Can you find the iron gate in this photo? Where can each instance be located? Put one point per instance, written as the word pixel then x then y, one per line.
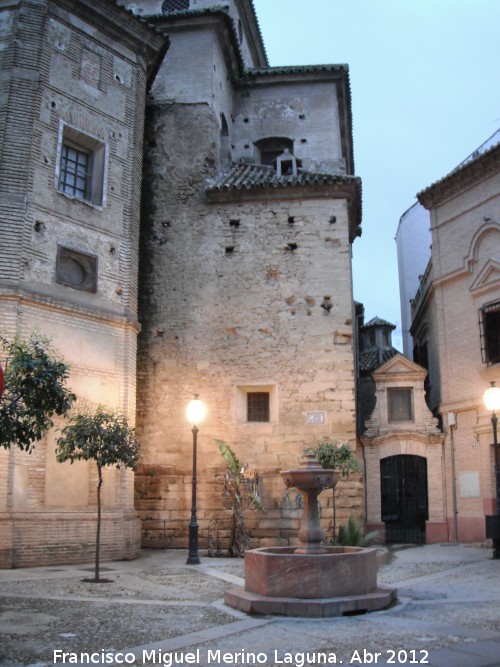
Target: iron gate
pixel 403 487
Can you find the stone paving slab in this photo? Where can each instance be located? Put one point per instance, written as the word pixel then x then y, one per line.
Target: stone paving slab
pixel 159 610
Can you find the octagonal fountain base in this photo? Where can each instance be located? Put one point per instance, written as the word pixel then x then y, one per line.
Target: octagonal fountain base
pixel 340 581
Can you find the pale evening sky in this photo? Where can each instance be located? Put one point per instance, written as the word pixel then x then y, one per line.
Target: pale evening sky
pixel 425 90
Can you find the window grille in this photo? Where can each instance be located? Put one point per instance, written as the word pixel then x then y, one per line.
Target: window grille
pixel 81 166
pixel 174 6
pixel 258 406
pixel 75 172
pixel 489 328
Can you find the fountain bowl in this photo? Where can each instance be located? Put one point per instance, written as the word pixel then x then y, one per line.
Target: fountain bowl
pixel 281 582
pixel 281 571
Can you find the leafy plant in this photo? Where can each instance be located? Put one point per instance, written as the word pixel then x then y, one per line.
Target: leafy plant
pixel 335 455
pixel 34 391
pixel 241 487
pixel 106 438
pixel 352 535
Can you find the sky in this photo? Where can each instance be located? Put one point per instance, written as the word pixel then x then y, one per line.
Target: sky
pixel 425 91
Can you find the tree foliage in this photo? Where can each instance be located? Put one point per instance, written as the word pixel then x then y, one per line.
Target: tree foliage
pixel 35 390
pixel 105 438
pixel 335 455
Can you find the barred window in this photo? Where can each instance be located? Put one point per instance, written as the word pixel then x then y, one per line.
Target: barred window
pixel 75 172
pixel 81 166
pixel 489 326
pixel 174 6
pixel 258 406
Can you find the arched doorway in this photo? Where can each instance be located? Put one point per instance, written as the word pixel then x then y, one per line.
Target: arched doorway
pixel 404 503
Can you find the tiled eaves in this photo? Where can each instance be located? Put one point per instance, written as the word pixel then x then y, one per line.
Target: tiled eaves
pixel 460 178
pixel 247 176
pixel 378 322
pixel 250 182
pixel 370 360
pixel 297 69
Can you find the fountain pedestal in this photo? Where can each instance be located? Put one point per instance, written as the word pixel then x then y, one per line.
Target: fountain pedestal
pixel 311 580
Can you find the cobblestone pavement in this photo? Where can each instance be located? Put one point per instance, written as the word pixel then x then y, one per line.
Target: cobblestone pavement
pixel 158 610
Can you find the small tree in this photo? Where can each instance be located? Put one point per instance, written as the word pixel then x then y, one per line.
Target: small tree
pixel 106 438
pixel 335 455
pixel 240 486
pixel 34 391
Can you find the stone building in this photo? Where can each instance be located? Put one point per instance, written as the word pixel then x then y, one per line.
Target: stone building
pixel 73 86
pixel 456 332
pixel 250 207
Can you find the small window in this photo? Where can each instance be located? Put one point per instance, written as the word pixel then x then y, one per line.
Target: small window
pixel 489 324
pixel 258 406
pixel 81 163
pixel 400 404
pixel 76 269
pixel 273 147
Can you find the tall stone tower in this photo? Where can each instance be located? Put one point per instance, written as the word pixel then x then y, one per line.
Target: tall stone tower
pixel 250 207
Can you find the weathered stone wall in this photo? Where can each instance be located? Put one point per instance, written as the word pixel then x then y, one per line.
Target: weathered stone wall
pixel 228 305
pixel 304 113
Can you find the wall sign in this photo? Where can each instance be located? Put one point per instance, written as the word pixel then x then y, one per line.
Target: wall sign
pixel 315 417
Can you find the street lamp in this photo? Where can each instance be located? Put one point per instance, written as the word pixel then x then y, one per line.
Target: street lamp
pixel 492 402
pixel 195 414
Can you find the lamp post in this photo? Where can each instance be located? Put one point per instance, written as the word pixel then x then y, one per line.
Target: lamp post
pixel 195 413
pixel 492 402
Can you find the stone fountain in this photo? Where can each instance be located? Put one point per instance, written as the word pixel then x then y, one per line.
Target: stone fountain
pixel 310 580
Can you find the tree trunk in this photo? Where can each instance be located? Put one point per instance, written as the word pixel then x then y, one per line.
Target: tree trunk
pixel 334 517
pixel 98 534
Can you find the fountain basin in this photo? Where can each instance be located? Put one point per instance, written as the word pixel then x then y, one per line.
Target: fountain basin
pixel 281 571
pixel 279 581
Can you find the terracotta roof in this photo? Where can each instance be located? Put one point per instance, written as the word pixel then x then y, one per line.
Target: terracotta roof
pixel 378 322
pixel 373 357
pixel 248 176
